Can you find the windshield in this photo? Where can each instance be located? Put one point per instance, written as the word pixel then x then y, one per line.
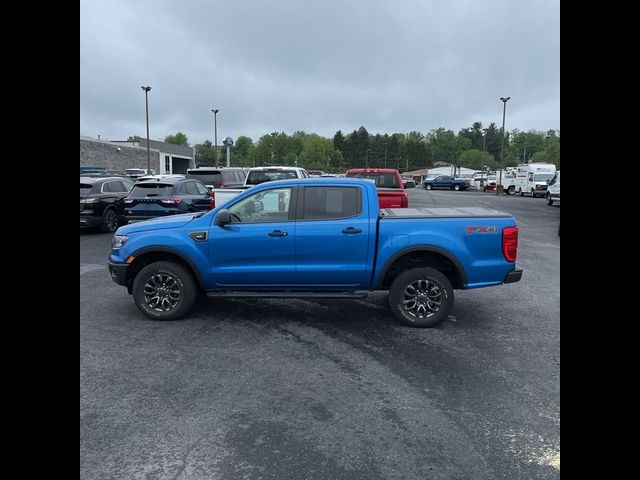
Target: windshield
pixel 542 177
pixel 151 190
pixel 384 180
pixel 257 177
pixel 85 189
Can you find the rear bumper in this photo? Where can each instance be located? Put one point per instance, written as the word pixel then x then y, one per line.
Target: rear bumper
pixel 118 272
pixel 513 276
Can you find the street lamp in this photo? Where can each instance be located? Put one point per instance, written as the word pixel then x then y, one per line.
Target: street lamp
pixel 367 157
pixel 504 111
pixel 484 138
pixel 147 89
pixel 215 132
pixel 273 143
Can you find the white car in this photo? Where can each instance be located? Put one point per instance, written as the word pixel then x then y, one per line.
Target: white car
pixel 553 189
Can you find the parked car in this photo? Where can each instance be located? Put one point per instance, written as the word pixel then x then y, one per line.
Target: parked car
pixel 553 190
pixel 388 182
pixel 408 182
pixel 102 201
pixel 138 172
pixel 316 238
pixel 219 177
pixel 447 182
pixel 532 178
pixel 258 175
pixel 168 196
pixel 315 173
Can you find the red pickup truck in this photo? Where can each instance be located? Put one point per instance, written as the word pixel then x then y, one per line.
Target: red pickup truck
pixel 389 184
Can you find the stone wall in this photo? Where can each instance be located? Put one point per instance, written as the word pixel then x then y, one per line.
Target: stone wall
pixel 103 154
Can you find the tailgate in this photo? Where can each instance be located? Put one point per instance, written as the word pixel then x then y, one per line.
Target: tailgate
pixel 392 198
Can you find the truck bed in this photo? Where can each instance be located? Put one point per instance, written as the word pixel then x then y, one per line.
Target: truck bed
pixel 440 212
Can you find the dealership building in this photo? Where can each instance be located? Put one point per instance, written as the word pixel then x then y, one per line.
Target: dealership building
pixel 118 155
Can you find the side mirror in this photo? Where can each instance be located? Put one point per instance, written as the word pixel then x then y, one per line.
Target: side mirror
pixel 223 217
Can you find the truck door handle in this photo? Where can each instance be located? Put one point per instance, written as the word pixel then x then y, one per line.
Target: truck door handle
pixel 278 233
pixel 351 230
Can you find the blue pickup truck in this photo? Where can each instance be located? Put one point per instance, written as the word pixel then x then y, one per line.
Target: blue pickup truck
pixel 447 182
pixel 319 238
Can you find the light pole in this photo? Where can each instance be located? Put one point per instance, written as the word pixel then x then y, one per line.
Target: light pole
pixel 215 132
pixel 273 142
pixel 385 154
pixel 147 89
pixel 504 111
pixel 484 138
pixel 367 157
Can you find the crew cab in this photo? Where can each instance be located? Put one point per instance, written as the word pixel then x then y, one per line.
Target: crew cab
pixel 317 238
pixel 389 183
pixel 446 181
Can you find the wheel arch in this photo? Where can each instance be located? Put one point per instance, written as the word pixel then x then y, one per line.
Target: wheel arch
pixel 148 255
pixel 423 256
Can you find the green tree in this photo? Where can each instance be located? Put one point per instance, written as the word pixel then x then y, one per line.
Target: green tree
pixel 318 152
pixel 476 159
pixel 133 138
pixel 177 139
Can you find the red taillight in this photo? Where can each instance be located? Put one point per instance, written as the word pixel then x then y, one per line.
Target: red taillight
pixel 212 205
pixel 404 203
pixel 510 243
pixel 173 201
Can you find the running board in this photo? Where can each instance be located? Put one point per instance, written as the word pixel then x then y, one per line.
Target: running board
pixel 286 294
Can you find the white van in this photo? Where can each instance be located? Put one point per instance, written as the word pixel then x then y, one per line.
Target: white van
pixel 532 178
pixel 553 190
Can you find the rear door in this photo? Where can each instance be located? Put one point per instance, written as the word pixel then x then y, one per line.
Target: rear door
pixel 332 237
pixel 202 201
pixel 256 250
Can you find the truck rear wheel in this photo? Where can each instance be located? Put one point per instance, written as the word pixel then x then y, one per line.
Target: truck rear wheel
pixel 421 297
pixel 164 291
pixel 511 190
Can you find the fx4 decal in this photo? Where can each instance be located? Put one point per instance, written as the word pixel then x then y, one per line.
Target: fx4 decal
pixel 482 229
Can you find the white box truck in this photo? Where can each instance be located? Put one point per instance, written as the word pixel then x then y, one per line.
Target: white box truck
pixel 532 178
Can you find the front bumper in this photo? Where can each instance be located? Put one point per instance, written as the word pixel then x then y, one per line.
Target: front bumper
pixel 90 220
pixel 118 272
pixel 513 276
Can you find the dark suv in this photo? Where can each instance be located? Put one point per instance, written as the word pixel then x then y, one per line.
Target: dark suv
pixel 158 197
pixel 223 177
pixel 102 201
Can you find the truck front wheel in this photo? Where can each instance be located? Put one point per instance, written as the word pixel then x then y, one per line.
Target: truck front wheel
pixel 164 291
pixel 428 186
pixel 421 297
pixel 456 188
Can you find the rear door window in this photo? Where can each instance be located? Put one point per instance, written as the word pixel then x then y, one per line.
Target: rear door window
pixel 190 188
pixel 201 189
pixel 325 203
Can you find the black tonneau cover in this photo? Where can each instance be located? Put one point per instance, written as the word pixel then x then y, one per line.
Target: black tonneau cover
pixel 424 212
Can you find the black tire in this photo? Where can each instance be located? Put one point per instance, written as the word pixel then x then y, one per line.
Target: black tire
pixel 427 186
pixel 109 220
pixel 533 193
pixel 511 190
pixel 165 278
pixel 549 199
pixel 456 188
pixel 436 283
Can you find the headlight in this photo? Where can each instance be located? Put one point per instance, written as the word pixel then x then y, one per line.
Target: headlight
pixel 118 240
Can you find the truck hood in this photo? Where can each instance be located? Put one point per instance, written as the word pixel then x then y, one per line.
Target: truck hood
pixel 171 221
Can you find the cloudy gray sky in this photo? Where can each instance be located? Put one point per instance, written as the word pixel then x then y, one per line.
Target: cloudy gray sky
pixel 317 66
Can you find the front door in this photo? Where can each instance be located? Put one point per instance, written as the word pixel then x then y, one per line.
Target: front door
pixel 256 249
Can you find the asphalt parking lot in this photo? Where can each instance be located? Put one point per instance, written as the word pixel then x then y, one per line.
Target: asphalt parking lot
pixel 328 389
